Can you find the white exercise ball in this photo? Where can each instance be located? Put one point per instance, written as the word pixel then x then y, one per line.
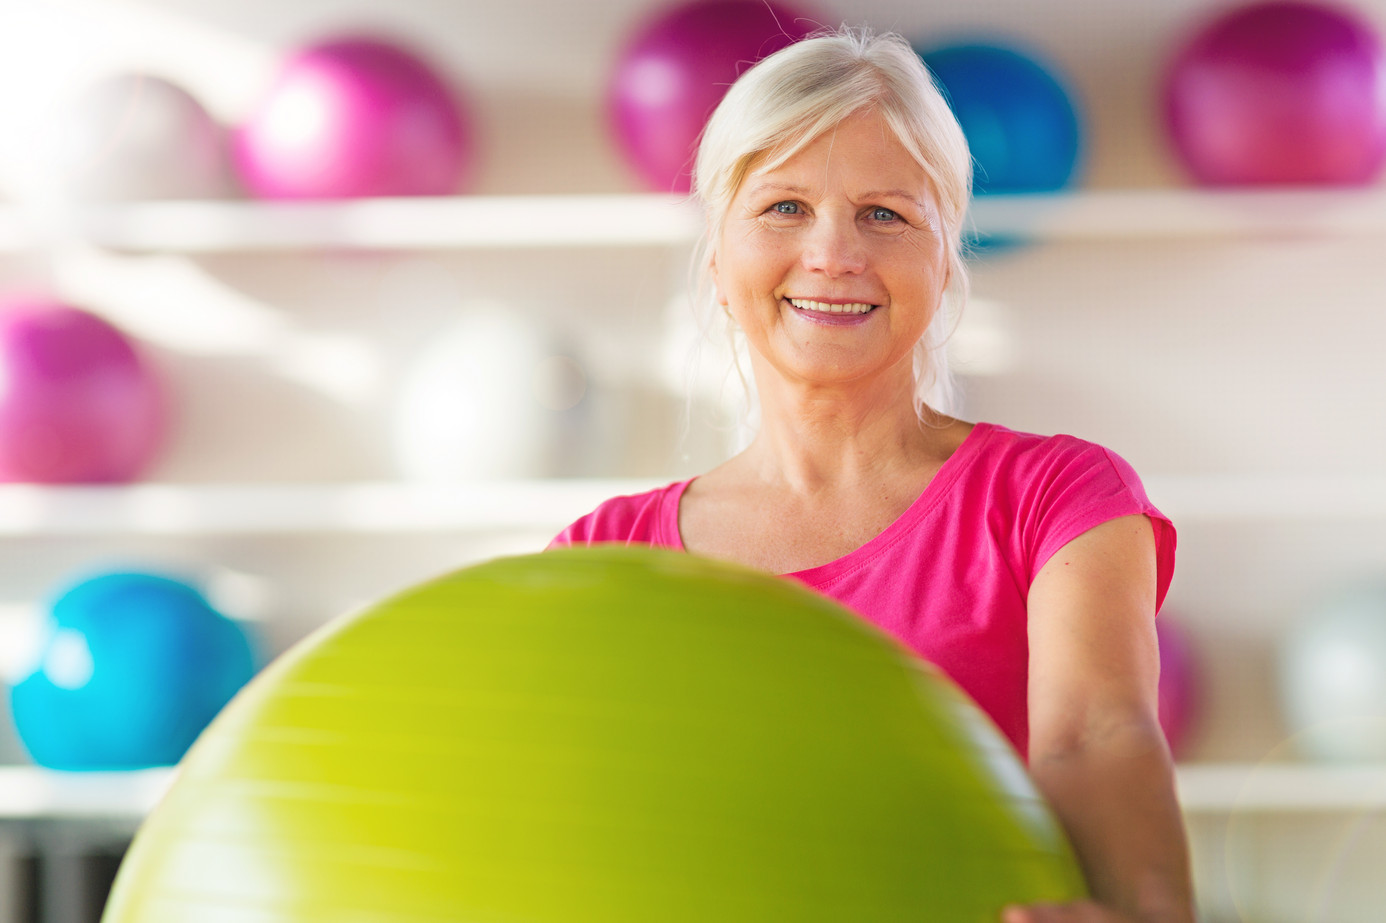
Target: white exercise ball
pixel 132 136
pixel 485 398
pixel 1332 676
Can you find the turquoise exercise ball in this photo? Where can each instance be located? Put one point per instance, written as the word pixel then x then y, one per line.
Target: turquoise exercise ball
pixel 597 734
pixel 131 668
pixel 1332 675
pixel 1022 123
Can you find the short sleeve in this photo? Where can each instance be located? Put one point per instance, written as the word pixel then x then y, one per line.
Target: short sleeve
pixel 1082 485
pixel 644 519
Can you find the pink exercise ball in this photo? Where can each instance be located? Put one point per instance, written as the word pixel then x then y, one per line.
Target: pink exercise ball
pixel 352 118
pixel 674 71
pixel 1179 690
pixel 1280 93
pixel 78 404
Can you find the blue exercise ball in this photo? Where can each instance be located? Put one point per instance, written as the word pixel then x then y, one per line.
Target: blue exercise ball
pixel 131 668
pixel 1021 123
pixel 1332 676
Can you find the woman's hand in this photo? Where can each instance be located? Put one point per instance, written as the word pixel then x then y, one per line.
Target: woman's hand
pixel 1076 912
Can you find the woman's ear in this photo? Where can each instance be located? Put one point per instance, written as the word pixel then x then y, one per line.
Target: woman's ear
pixel 720 295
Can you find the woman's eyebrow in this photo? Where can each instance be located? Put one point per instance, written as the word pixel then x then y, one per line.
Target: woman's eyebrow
pixel 765 186
pixel 893 194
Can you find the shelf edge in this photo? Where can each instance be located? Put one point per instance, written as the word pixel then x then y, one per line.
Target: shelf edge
pixel 1280 788
pixel 652 220
pixel 31 792
pixel 358 508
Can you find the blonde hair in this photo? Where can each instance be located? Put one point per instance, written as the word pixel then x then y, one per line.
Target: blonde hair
pixel 791 98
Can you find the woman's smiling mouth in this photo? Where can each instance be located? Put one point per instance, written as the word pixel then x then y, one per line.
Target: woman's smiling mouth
pixel 825 307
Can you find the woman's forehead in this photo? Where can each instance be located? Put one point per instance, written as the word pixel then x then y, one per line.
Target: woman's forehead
pixel 869 160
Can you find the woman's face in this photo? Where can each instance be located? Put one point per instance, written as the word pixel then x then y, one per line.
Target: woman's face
pixel 834 263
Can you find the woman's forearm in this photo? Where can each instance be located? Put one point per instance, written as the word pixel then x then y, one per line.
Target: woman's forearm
pixel 1116 798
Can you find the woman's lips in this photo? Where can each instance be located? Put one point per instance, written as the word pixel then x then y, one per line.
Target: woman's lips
pixel 832 313
pixel 831 307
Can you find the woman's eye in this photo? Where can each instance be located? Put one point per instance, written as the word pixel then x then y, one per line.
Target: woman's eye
pixel 883 214
pixel 786 208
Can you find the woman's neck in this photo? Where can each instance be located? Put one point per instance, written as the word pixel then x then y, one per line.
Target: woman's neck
pixel 818 439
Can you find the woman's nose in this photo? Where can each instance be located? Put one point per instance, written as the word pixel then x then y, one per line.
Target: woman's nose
pixel 834 247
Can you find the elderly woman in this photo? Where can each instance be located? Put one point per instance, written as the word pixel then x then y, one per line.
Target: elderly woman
pixel 835 182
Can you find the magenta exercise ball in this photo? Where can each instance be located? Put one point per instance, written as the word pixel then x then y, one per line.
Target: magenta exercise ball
pixel 1179 692
pixel 674 70
pixel 1279 93
pixel 78 403
pixel 351 118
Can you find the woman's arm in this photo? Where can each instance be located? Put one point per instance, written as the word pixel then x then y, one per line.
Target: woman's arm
pixel 1096 748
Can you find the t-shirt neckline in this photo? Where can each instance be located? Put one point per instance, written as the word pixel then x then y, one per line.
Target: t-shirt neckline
pixel 823 574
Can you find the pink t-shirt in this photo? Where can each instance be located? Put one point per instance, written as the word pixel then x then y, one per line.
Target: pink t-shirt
pixel 950 577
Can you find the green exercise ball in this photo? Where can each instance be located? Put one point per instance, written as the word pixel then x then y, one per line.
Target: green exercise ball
pixel 597 734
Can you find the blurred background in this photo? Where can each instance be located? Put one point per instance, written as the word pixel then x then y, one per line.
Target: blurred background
pixel 303 303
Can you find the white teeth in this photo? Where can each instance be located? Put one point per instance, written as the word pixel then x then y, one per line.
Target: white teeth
pixel 805 305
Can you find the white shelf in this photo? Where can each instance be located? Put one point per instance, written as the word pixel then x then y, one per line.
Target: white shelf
pixel 227 509
pixel 29 792
pixel 1280 498
pixel 635 220
pixel 461 222
pixel 1281 788
pixel 545 505
pixel 1133 214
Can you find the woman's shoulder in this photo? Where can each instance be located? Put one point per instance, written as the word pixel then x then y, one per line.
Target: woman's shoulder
pixel 1026 456
pixel 1059 486
pixel 634 517
pixel 1004 438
